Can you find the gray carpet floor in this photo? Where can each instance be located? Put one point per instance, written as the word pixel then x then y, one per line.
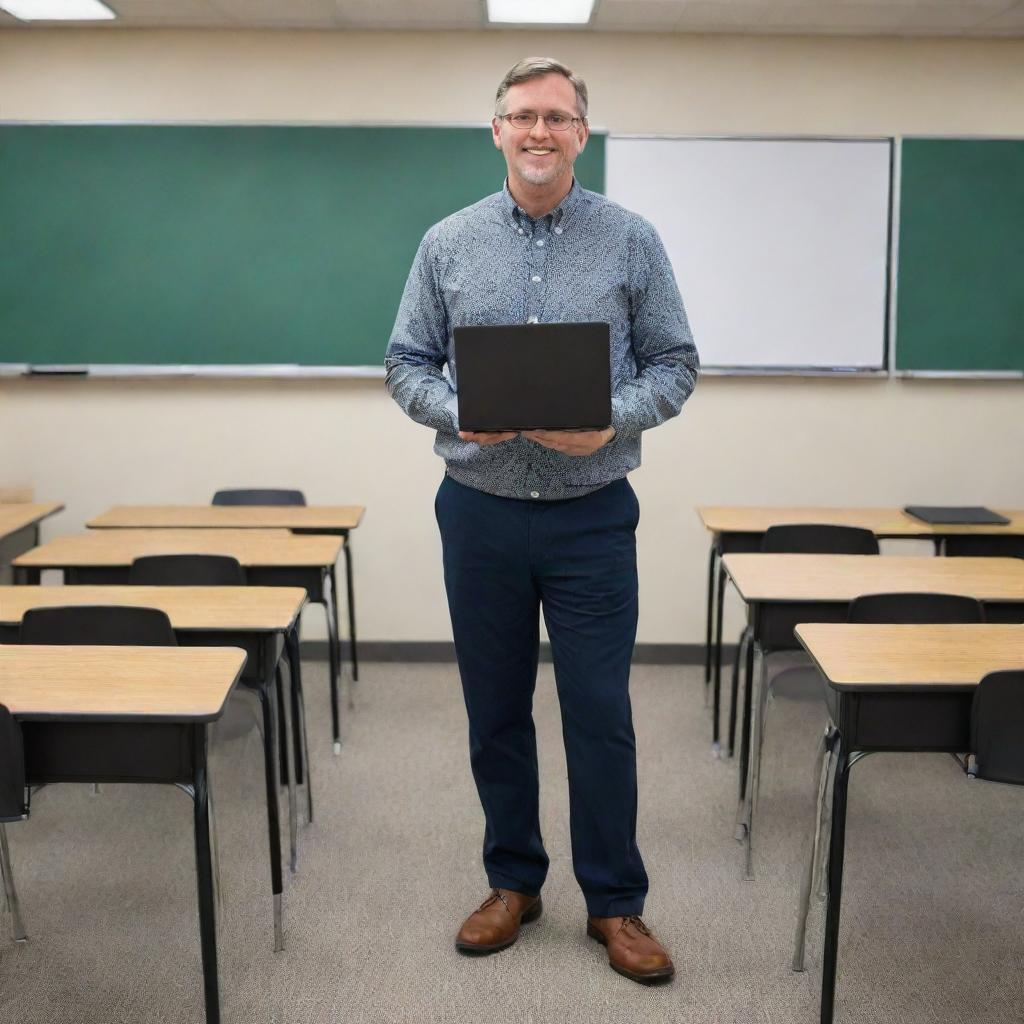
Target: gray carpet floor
pixel 932 919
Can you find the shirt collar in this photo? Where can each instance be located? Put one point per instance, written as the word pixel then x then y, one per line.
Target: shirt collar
pixel 559 215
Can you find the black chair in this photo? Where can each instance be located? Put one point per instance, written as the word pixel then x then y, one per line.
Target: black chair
pixel 280 496
pixel 259 496
pixel 915 608
pixel 997 725
pixel 13 807
pixel 985 546
pixel 107 625
pixel 818 539
pixel 186 571
pixel 95 625
pixel 800 539
pixel 880 609
pixel 226 571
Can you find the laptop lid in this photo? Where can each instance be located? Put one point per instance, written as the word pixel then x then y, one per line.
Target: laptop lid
pixel 534 377
pixel 938 515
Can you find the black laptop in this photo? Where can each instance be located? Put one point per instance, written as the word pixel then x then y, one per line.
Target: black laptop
pixel 534 377
pixel 953 515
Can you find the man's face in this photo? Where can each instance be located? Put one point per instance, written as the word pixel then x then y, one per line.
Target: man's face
pixel 539 156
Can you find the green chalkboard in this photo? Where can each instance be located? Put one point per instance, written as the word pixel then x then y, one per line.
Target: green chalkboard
pixel 234 245
pixel 960 297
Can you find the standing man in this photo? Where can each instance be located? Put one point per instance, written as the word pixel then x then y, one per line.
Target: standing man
pixel 546 519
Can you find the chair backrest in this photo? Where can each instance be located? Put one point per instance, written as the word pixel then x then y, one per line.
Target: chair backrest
pixel 187 571
pixel 12 768
pixel 818 539
pixel 985 546
pixel 997 724
pixel 923 609
pixel 258 496
pixel 112 625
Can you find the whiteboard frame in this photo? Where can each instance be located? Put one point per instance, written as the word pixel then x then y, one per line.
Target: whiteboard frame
pixel 884 369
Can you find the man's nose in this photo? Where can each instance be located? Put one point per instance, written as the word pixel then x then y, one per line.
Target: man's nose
pixel 540 130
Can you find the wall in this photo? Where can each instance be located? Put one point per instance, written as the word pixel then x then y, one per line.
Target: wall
pixel 763 441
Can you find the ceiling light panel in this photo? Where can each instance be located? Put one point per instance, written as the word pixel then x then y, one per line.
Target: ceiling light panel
pixel 539 12
pixel 58 10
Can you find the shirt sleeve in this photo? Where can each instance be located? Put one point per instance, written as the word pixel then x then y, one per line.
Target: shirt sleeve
pixel 667 363
pixel 417 351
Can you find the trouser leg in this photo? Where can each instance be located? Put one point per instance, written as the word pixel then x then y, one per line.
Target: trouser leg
pixel 584 556
pixel 494 610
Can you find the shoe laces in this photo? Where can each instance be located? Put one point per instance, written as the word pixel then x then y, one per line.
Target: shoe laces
pixel 634 920
pixel 496 894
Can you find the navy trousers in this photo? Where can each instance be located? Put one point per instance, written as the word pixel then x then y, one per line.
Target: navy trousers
pixel 504 560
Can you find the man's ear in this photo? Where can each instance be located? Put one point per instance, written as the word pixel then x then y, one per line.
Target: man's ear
pixel 496 131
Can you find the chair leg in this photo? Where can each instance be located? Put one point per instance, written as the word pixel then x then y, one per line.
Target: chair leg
pixel 757 745
pixel 820 880
pixel 287 774
pixel 305 773
pixel 735 692
pixel 269 707
pixel 822 762
pixel 18 932
pixel 334 667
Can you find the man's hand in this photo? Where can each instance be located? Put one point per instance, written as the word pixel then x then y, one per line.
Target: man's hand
pixel 485 438
pixel 572 442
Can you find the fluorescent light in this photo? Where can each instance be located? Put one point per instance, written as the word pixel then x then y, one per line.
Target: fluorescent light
pixel 540 12
pixel 58 10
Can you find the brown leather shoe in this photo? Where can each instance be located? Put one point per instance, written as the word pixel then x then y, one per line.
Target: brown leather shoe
pixel 632 950
pixel 495 924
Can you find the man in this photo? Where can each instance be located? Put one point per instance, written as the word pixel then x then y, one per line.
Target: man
pixel 546 519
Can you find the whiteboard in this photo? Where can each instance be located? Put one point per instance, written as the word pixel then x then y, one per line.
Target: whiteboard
pixel 780 246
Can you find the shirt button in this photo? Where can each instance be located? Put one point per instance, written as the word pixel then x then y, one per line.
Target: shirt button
pixel 520 231
pixel 532 320
pixel 535 279
pixel 540 241
pixel 534 494
pixel 558 231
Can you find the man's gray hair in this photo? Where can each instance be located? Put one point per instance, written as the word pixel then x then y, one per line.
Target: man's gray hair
pixel 535 67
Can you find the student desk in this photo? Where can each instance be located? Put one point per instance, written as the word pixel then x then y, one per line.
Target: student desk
pixel 338 520
pixel 782 591
pixel 19 529
pixel 899 688
pixel 271 558
pixel 259 620
pixel 127 714
pixel 740 528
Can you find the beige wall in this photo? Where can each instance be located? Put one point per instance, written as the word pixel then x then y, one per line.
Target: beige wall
pixel 813 441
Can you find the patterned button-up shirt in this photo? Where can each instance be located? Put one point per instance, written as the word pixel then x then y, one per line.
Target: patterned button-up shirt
pixel 588 260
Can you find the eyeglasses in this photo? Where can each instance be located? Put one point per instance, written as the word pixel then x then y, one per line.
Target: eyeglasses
pixel 554 122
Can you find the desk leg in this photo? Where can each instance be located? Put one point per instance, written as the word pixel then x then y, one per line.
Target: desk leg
pixel 711 614
pixel 268 704
pixel 835 881
pixel 303 765
pixel 351 594
pixel 715 744
pixel 204 880
pixel 334 658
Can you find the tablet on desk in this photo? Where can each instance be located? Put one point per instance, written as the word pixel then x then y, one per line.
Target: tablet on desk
pixel 940 515
pixel 534 377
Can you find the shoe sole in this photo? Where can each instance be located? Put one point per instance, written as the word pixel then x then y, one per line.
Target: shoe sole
pixel 659 976
pixel 474 950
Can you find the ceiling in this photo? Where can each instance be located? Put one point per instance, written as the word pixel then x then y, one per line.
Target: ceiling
pixel 972 18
